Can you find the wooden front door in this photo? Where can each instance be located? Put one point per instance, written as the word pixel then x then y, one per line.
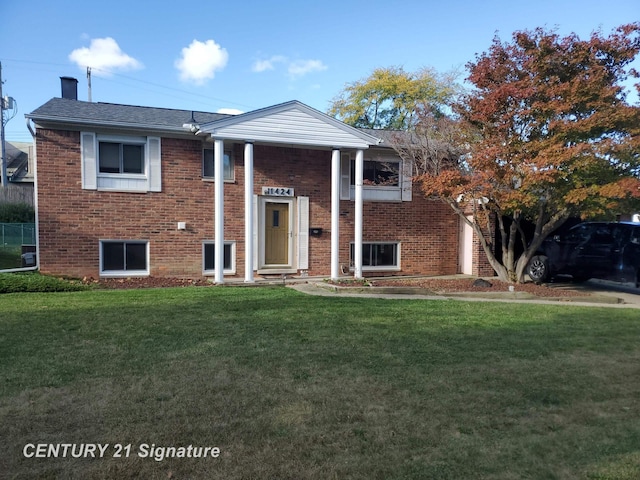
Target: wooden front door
pixel 276 235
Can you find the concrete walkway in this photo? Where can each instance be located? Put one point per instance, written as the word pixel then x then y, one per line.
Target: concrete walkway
pixel 600 294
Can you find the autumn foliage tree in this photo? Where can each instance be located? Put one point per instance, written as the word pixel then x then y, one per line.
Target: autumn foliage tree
pixel 545 134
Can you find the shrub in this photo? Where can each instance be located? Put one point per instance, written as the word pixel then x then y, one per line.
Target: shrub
pixel 35 282
pixel 17 213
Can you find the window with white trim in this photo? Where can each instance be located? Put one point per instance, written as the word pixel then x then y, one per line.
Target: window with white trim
pixel 121 157
pixel 122 163
pixel 377 256
pixel 209 257
pixel 208 165
pixel 385 178
pixel 378 173
pixel 124 258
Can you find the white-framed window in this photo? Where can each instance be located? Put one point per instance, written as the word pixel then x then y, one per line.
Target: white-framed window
pixel 121 163
pixel 385 178
pixel 121 157
pixel 124 258
pixel 378 256
pixel 209 257
pixel 208 165
pixel 378 173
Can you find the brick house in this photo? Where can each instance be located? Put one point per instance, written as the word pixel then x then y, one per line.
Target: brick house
pixel 132 191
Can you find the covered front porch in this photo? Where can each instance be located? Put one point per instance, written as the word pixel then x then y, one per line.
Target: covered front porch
pixel 274 216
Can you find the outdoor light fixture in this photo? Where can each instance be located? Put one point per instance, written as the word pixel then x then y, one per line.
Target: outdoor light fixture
pixel 192 125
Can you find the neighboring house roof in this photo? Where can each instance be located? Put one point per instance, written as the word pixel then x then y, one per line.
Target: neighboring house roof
pixel 388 137
pixel 294 122
pixel 17 155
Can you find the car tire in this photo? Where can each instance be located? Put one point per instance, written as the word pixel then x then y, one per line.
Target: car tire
pixel 538 269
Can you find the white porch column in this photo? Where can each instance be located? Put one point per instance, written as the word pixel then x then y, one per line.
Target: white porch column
pixel 357 250
pixel 218 171
pixel 335 214
pixel 248 212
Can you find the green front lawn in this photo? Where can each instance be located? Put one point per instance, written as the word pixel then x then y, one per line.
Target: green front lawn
pixel 290 386
pixel 10 257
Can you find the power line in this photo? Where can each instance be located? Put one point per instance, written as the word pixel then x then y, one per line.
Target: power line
pixel 107 76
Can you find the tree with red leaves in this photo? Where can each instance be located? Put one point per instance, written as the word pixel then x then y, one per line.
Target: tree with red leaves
pixel 548 133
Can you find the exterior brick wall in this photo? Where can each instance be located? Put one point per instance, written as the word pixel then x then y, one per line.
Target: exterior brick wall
pixel 73 221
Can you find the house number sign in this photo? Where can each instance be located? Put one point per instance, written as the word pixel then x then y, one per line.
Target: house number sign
pixel 277 191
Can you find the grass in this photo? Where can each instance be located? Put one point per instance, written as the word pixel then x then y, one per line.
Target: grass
pixel 10 257
pixel 298 387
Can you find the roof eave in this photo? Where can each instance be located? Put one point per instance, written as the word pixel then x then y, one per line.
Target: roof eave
pixel 54 120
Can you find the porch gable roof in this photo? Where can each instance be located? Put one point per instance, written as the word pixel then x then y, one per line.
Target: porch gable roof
pixel 289 123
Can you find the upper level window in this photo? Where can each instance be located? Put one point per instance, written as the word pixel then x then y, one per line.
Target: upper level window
pixel 385 177
pixel 122 163
pixel 120 157
pixel 378 173
pixel 208 161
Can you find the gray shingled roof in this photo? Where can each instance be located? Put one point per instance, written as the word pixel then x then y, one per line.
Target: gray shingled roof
pixel 76 111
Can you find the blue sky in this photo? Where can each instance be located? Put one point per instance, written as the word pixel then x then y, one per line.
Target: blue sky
pixel 244 55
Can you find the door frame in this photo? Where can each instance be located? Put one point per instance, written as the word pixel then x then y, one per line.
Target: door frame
pixel 279 268
pixel 465 247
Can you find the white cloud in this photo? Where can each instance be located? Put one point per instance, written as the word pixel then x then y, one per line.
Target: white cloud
pixel 200 61
pixel 269 64
pixel 104 55
pixel 230 111
pixel 300 68
pixel 295 68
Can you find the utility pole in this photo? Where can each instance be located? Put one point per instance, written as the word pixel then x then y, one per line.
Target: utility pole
pixel 3 160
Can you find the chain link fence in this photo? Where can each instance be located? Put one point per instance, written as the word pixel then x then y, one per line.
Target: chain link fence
pixel 17 245
pixel 17 234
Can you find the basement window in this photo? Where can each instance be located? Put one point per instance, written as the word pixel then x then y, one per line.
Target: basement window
pixel 209 257
pixel 378 256
pixel 124 258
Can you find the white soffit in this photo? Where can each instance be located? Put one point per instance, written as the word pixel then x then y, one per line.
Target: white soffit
pixel 290 123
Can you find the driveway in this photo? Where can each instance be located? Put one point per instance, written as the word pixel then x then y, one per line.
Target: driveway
pixel 601 293
pixel 626 292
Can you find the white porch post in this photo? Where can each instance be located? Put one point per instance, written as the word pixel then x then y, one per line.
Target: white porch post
pixel 335 214
pixel 357 250
pixel 218 171
pixel 248 212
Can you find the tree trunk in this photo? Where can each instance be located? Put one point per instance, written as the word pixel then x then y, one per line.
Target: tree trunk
pixel 512 270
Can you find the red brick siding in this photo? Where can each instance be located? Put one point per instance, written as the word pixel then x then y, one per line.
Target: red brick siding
pixel 72 220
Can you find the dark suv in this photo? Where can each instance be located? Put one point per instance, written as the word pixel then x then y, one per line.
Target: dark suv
pixel 608 251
